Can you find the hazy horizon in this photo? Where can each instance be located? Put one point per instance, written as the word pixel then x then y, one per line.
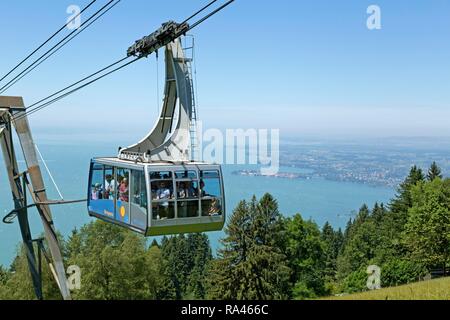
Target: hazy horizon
pixel 293 66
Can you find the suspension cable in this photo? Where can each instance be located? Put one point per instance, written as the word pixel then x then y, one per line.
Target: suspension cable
pixel 46 41
pixel 2 90
pixel 211 14
pixel 200 11
pixel 78 82
pixel 49 172
pixel 62 45
pixel 36 107
pixel 46 104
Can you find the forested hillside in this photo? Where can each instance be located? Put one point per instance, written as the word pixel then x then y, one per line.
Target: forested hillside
pixel 263 255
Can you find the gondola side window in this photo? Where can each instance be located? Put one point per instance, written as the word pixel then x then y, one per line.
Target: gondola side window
pixel 187 193
pixel 211 193
pixel 96 182
pixel 139 192
pixel 100 200
pixel 163 198
pixel 123 195
pixel 138 200
pixel 109 185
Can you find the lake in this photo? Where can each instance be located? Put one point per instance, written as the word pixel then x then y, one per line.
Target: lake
pixel 319 199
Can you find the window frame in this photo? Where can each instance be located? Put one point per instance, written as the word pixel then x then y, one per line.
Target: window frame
pixel 221 197
pixel 186 200
pixel 174 169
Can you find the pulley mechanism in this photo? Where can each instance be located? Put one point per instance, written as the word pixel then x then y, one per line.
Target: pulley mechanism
pixel 169 32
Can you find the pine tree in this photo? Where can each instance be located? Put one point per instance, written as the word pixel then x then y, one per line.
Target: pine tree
pixel 177 264
pixel 328 236
pixel 18 285
pixel 201 256
pixel 379 213
pixel 333 241
pixel 402 202
pixel 427 232
pixel 434 172
pixel 251 266
pixel 360 244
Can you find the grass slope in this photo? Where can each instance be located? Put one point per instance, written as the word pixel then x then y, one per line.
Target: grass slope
pixel 438 289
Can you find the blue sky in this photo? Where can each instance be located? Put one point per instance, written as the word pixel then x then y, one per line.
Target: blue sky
pixel 309 68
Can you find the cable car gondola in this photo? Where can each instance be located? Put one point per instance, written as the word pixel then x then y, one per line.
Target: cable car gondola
pixel 154 187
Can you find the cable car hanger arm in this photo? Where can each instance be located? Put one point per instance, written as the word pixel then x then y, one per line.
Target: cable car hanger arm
pixel 10 216
pixel 169 32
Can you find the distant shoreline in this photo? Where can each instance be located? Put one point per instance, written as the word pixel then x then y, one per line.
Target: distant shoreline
pixel 301 176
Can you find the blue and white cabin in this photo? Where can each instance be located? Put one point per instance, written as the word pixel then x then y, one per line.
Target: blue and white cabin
pixel 155 187
pixel 157 199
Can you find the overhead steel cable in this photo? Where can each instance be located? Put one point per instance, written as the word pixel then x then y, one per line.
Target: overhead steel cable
pixel 38 104
pixel 62 45
pixel 30 111
pixel 42 105
pixel 2 90
pixel 200 11
pixel 78 82
pixel 211 14
pixel 46 41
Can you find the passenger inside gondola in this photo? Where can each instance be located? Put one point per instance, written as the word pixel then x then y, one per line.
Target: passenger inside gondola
pixel 186 190
pixel 163 192
pixel 188 205
pixel 124 191
pixel 109 187
pixel 96 192
pixel 215 208
pixel 202 189
pixel 164 207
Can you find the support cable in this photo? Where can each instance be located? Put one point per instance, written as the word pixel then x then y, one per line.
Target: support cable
pixel 36 107
pixel 80 30
pixel 47 104
pixel 46 41
pixel 48 171
pixel 3 89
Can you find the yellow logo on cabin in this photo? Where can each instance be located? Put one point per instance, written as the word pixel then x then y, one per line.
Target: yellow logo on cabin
pixel 122 212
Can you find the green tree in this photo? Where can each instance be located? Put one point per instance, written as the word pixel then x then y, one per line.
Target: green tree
pixel 333 241
pixel 4 276
pixel 201 255
pixel 360 246
pixel 403 201
pixel 355 281
pixel 185 263
pixel 17 284
pixel 306 252
pixel 434 172
pixel 251 266
pixel 427 232
pixel 399 271
pixel 113 262
pixel 177 265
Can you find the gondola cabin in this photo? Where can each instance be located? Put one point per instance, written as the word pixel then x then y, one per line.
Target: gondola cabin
pixel 157 199
pixel 155 187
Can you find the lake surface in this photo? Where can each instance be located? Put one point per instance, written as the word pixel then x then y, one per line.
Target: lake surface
pixel 319 199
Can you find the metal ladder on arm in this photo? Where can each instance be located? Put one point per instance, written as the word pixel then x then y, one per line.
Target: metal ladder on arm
pixel 193 130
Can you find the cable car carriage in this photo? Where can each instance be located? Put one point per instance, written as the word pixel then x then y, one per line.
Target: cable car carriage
pixel 155 187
